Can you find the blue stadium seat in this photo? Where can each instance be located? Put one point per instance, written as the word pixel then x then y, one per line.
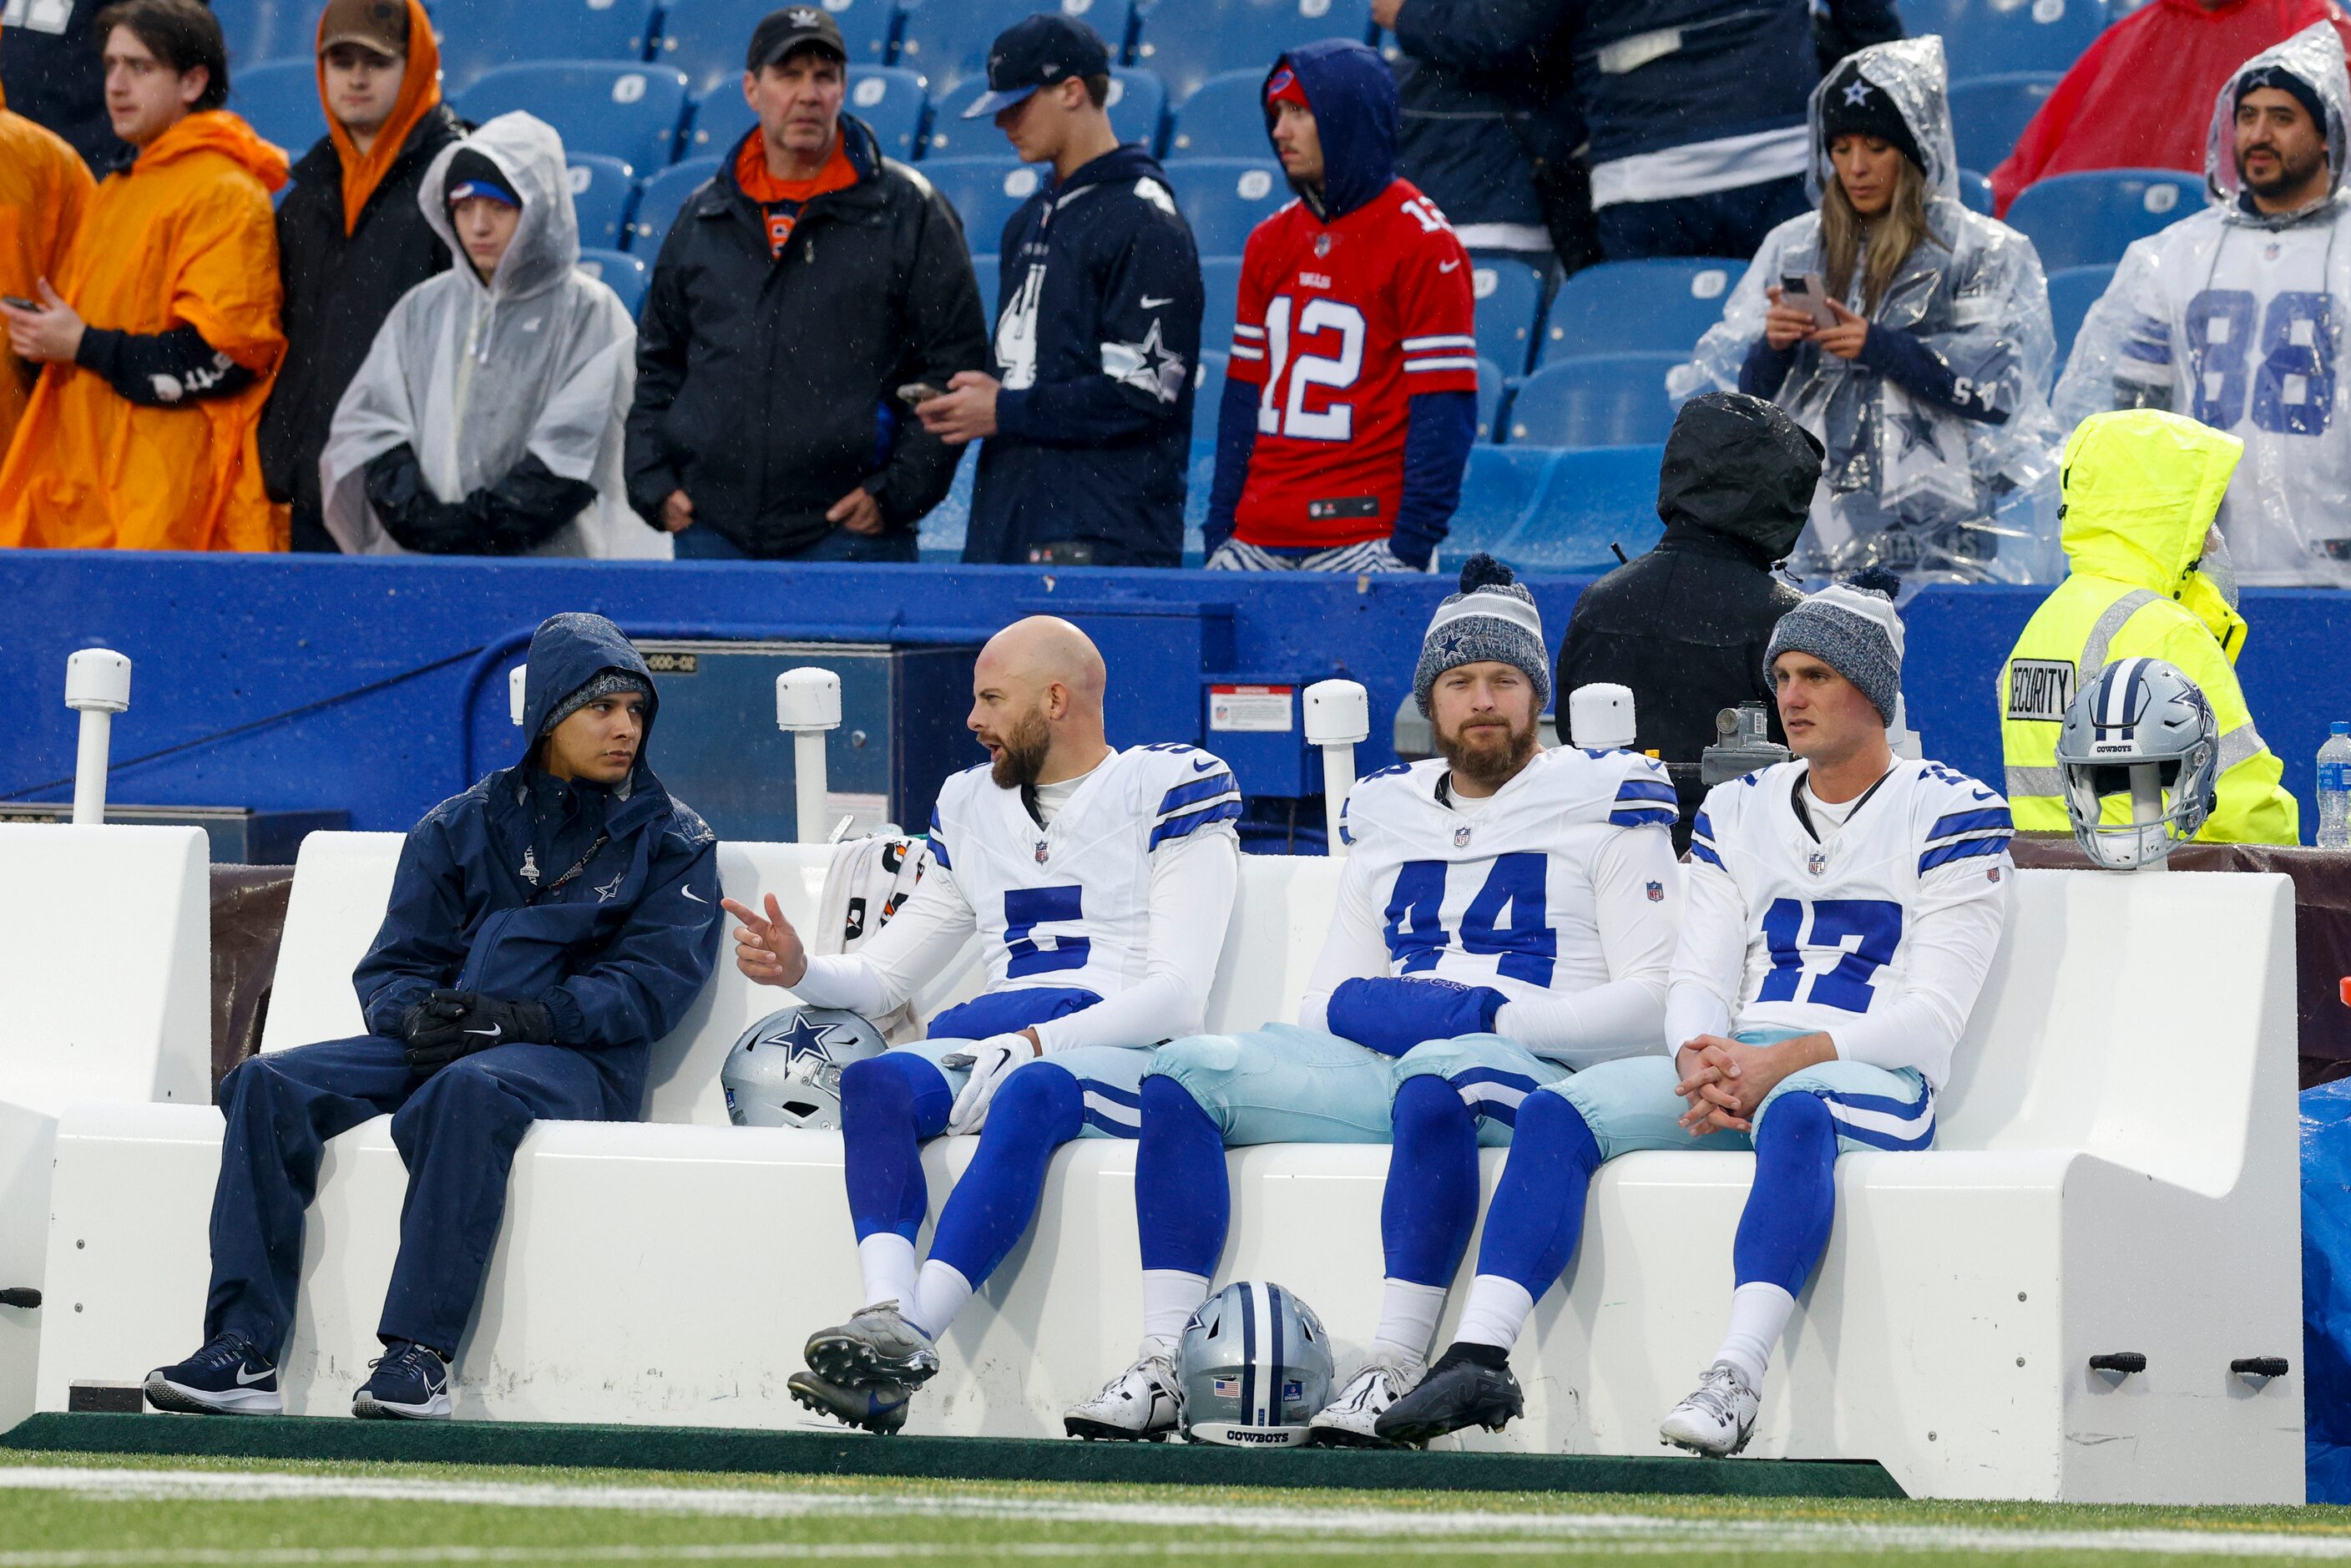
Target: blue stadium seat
pixel 1497 488
pixel 634 112
pixel 1225 198
pixel 1222 118
pixel 1975 192
pixel 627 276
pixel 886 97
pixel 1635 307
pixel 1221 277
pixel 1138 112
pixel 280 100
pixel 1984 36
pixel 1601 400
pixel 1492 386
pixel 941 534
pixel 2082 220
pixel 948 40
pixel 602 192
pixel 288 31
pixel 707 39
pixel 1510 310
pixel 1988 113
pixel 658 203
pixel 478 36
pixel 1188 41
pixel 1589 500
pixel 246 25
pixel 985 194
pixel 1208 394
pixel 2071 294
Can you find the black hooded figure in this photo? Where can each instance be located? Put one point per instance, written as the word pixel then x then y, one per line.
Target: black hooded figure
pixel 1685 626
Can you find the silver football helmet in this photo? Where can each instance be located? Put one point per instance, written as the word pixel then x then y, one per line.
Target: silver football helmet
pixel 2141 730
pixel 1253 1368
pixel 786 1069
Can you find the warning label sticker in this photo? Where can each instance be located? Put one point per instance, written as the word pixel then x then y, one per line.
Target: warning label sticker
pixel 1266 708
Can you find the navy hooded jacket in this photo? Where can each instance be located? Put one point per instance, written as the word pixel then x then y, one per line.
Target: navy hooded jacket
pixel 620 951
pixel 1353 96
pixel 1097 342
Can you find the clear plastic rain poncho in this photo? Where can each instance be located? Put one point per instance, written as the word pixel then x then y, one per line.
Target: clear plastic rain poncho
pixel 539 362
pixel 1908 482
pixel 2236 317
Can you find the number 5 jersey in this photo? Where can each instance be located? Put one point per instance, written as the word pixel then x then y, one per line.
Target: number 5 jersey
pixel 2237 320
pixel 1879 930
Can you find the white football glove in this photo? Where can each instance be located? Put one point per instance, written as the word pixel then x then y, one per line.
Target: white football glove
pixel 992 1061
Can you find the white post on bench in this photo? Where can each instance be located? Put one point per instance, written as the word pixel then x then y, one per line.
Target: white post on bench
pixel 97 686
pixel 515 678
pixel 1338 719
pixel 1600 717
pixel 808 706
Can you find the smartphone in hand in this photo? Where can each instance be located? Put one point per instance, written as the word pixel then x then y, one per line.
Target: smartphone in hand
pixel 16 303
pixel 914 395
pixel 1807 293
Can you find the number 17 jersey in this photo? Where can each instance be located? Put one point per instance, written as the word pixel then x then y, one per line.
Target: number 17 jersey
pixel 1338 326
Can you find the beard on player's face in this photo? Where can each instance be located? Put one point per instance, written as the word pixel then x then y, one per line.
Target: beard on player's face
pixel 1485 749
pixel 1021 749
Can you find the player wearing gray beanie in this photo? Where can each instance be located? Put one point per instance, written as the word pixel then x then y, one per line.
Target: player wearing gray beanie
pixel 1854 630
pixel 1492 618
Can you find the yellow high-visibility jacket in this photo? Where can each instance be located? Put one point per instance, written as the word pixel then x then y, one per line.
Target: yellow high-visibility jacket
pixel 2141 487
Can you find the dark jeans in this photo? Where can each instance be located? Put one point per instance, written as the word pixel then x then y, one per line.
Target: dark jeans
pixel 703 542
pixel 1720 222
pixel 456 1132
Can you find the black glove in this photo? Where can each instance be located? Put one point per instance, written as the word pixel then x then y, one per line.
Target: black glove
pixel 522 509
pixel 447 1025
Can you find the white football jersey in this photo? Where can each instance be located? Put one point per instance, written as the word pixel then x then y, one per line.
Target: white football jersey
pixel 1830 912
pixel 1499 892
pixel 1069 904
pixel 2242 327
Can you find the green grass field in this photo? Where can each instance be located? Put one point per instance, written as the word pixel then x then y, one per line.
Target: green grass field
pixel 80 1511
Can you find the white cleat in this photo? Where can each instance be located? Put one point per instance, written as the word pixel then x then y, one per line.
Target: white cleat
pixel 1718 1418
pixel 1138 1405
pixel 1347 1422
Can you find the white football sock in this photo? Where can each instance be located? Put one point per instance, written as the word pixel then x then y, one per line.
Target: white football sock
pixel 1170 1297
pixel 940 1291
pixel 887 1261
pixel 1759 1316
pixel 1495 1313
pixel 1408 1314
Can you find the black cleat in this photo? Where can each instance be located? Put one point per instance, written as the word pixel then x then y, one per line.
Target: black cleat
pixel 880 1409
pixel 1463 1389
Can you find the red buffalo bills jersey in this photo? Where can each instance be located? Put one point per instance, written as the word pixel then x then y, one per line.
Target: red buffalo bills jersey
pixel 1339 325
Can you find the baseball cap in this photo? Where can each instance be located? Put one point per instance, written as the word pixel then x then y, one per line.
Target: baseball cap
pixel 779 33
pixel 377 25
pixel 1038 51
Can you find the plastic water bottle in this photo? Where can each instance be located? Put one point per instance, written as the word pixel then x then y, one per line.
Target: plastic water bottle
pixel 2335 790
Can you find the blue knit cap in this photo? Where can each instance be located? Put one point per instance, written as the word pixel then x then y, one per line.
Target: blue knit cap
pixel 1492 618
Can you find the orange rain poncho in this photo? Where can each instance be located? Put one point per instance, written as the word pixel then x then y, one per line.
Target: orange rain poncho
pixel 185 238
pixel 44 188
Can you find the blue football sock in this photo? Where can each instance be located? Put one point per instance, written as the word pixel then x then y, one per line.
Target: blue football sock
pixel 1430 1205
pixel 1182 1200
pixel 889 1104
pixel 1537 1215
pixel 1040 1108
pixel 1785 1227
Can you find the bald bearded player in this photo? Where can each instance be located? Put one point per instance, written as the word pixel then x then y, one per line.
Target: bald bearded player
pixel 1099 882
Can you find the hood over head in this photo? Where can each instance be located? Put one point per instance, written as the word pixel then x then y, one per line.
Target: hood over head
pixel 1353 95
pixel 420 94
pixel 2141 488
pixel 547 241
pixel 1740 467
pixel 1909 76
pixel 568 651
pixel 2312 59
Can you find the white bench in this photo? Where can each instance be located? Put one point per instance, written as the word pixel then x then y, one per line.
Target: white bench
pixel 2116 1173
pixel 105 993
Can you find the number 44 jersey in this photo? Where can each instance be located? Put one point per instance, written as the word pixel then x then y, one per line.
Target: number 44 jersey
pixel 1879 931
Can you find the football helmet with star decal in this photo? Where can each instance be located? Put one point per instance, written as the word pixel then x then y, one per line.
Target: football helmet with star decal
pixel 786 1069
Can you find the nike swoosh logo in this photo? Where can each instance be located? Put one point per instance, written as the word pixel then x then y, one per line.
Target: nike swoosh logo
pixel 1148 303
pixel 1447 266
pixel 1202 767
pixel 492 1032
pixel 690 893
pixel 264 1375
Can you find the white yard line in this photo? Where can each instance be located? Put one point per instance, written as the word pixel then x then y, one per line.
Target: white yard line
pixel 1457 1530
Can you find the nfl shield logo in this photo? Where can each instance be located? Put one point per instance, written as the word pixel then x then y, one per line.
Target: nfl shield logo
pixel 1041 851
pixel 1817 864
pixel 1993 875
pixel 1460 838
pixel 1321 244
pixel 1657 891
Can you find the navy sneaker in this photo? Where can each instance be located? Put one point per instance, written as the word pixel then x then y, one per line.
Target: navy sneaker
pixel 228 1377
pixel 410 1383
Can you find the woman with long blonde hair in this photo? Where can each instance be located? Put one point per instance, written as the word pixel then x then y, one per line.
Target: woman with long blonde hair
pixel 1909 334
